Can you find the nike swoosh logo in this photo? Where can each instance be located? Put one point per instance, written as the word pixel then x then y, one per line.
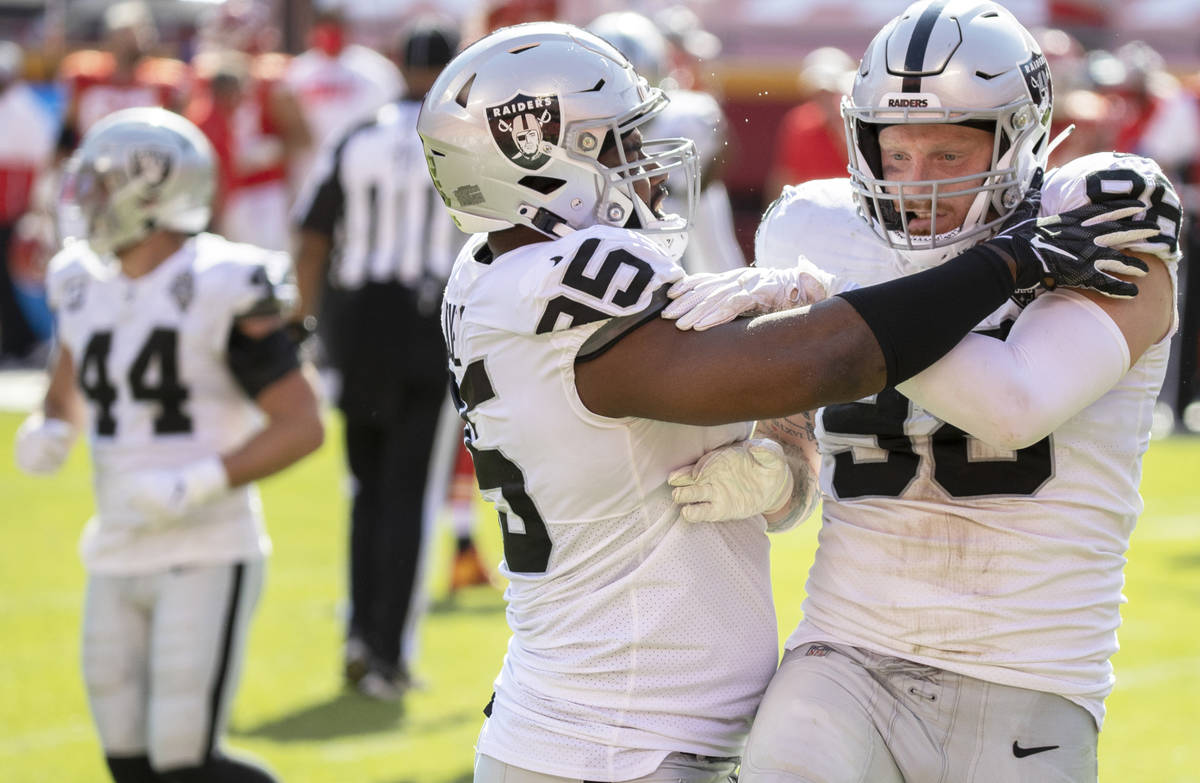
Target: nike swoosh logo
pixel 1021 753
pixel 1037 242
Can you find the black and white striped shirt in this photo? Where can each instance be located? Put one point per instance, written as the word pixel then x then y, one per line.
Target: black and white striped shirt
pixel 371 193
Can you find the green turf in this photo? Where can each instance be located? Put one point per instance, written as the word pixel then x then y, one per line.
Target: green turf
pixel 291 710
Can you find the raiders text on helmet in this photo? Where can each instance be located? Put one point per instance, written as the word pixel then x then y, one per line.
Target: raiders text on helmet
pixel 944 61
pixel 135 172
pixel 514 125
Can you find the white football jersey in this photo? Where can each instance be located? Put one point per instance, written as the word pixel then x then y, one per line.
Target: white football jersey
pixel 635 633
pixel 939 548
pixel 150 358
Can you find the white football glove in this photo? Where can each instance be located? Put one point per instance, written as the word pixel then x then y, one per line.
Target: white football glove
pixel 165 496
pixel 42 444
pixel 734 482
pixel 705 300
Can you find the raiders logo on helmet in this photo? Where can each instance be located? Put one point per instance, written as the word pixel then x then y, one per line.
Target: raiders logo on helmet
pixel 150 165
pixel 525 128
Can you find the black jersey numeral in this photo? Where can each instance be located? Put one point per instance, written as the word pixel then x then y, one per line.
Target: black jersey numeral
pixel 161 348
pixel 93 380
pixel 598 287
pixel 526 545
pixel 1114 184
pixel 954 470
pixel 884 419
pixel 161 351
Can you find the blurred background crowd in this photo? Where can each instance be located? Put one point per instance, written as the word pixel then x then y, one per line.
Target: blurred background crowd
pixel 270 81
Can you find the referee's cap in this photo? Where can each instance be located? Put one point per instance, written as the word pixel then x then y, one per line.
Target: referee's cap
pixel 428 44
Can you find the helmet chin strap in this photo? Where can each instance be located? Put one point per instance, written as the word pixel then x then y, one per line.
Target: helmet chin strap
pixel 545 221
pixel 1059 139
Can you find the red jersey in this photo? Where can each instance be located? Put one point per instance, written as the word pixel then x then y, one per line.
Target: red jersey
pixel 246 138
pixel 805 149
pixel 96 90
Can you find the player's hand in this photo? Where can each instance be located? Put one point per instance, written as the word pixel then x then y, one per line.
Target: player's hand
pixel 705 300
pixel 165 496
pixel 42 444
pixel 1076 248
pixel 734 482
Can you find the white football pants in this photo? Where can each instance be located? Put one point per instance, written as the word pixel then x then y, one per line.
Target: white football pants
pixel 162 652
pixel 676 768
pixel 839 714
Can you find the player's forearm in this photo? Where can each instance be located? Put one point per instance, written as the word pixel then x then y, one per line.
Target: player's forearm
pixel 839 350
pixel 1062 355
pixel 294 430
pixel 796 435
pixel 763 368
pixel 311 257
pixel 63 400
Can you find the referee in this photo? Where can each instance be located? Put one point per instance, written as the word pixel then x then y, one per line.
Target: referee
pixel 374 230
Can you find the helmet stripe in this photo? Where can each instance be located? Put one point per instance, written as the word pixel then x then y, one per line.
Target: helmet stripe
pixel 914 58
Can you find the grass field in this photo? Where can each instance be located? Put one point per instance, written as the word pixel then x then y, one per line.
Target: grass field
pixel 292 712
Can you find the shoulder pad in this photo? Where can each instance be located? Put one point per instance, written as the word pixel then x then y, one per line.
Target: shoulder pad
pixel 248 280
pixel 592 275
pixel 68 274
pixel 1105 176
pixel 819 221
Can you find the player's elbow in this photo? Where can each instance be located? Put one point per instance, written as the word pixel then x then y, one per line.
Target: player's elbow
pixel 1014 423
pixel 310 433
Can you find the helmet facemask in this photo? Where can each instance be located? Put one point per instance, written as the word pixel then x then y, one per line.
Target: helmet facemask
pixel 618 203
pixel 998 190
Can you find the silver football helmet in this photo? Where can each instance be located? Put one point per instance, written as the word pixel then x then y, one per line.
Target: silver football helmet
pixel 514 126
pixel 639 39
pixel 135 172
pixel 955 61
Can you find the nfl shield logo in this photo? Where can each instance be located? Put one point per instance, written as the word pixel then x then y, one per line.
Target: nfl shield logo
pixel 525 128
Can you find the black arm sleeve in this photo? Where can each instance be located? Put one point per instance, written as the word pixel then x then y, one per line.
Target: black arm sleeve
pixel 256 363
pixel 919 318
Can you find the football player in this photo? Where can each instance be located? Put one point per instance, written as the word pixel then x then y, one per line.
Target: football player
pixel 172 359
pixel 252 119
pixel 122 76
pixel 642 642
pixel 712 245
pixel 963 605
